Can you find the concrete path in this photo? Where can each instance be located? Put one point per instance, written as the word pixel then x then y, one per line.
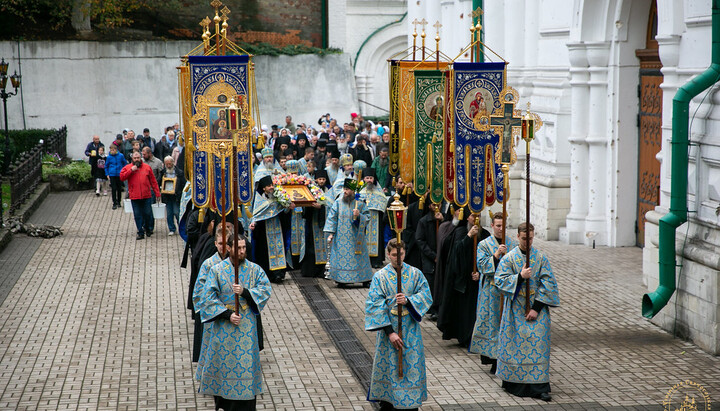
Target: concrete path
pixel 96 320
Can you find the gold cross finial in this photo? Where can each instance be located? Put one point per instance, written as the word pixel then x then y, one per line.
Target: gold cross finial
pixel 415 23
pixel 423 22
pixel 216 5
pixel 205 22
pixel 437 26
pixel 477 12
pixel 225 11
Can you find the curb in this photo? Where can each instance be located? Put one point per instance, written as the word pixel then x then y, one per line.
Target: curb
pixel 25 211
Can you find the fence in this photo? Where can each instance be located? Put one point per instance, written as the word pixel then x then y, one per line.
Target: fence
pixel 26 173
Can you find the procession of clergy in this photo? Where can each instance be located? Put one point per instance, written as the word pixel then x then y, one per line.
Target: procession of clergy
pixel 477 288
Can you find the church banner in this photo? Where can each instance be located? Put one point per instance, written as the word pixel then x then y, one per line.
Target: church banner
pixel 449 146
pixel 407 114
pixel 394 117
pixel 214 81
pixel 477 94
pixel 429 133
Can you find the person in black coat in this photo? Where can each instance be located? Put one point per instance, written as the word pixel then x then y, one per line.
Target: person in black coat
pixel 457 313
pixel 172 201
pixel 426 239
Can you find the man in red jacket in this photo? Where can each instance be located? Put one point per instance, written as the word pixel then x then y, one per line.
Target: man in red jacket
pixel 141 184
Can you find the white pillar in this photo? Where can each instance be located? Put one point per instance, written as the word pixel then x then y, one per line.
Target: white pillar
pixel 362 92
pixel 337 22
pixel 598 140
pixel 448 20
pixel 494 19
pixel 574 232
pixel 530 43
pixel 669 51
pixel 415 11
pixel 514 50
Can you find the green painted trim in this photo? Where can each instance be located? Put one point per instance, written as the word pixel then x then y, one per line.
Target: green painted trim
pixel 479 4
pixel 324 19
pixel 379 29
pixel 653 302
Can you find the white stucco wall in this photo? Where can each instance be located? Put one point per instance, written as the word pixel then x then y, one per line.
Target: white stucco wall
pixel 101 88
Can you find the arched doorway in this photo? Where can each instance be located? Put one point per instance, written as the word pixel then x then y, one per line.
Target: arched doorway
pixel 649 125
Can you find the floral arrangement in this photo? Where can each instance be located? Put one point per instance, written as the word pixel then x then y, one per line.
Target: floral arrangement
pixel 281 194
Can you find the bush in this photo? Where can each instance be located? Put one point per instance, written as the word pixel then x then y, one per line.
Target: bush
pixel 78 171
pixel 22 141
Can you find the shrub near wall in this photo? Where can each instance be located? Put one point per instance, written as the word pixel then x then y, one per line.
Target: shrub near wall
pixel 22 141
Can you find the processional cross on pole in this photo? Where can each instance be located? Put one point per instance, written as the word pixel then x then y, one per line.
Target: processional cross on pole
pixel 507 121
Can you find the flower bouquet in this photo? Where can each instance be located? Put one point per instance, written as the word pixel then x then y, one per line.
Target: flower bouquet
pixel 292 188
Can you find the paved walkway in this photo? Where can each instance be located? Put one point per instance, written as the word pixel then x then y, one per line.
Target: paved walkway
pixel 96 320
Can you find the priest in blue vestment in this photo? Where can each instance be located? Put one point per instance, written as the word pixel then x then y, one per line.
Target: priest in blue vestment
pixel 220 253
pixel 376 202
pixel 346 171
pixel 523 356
pixel 268 167
pixel 316 249
pixel 297 221
pixel 345 229
pixel 270 221
pixel 231 370
pixel 489 302
pixel 381 315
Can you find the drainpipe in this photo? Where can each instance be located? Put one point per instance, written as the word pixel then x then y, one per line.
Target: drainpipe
pixel 652 303
pixel 478 4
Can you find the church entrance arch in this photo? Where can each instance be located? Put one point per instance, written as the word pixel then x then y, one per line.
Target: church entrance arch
pixel 649 125
pixel 371 68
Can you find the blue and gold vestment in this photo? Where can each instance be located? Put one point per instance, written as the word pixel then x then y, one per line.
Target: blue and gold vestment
pixel 231 367
pixel 377 203
pixel 381 311
pixel 523 352
pixel 487 324
pixel 349 261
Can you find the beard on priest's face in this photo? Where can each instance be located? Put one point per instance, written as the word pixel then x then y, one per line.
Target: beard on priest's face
pixel 348 197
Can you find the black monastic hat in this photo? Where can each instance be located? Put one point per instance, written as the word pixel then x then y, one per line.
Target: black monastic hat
pixel 264 182
pixel 349 183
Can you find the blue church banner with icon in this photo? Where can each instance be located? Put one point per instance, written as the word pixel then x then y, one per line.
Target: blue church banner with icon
pixel 214 81
pixel 478 89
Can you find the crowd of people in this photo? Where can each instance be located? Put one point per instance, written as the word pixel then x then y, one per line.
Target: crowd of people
pixel 138 165
pixel 473 282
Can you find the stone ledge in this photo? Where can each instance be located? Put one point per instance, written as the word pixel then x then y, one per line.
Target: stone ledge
pixel 25 211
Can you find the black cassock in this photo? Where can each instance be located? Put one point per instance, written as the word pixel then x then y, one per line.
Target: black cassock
pixel 456 317
pixel 204 249
pixel 308 267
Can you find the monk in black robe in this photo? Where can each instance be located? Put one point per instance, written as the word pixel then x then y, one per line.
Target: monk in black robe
pixel 456 317
pixel 426 237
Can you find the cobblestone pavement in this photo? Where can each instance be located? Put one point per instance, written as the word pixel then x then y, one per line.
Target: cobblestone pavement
pixel 96 320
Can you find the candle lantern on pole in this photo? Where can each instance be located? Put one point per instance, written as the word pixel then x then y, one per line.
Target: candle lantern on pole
pixel 397 216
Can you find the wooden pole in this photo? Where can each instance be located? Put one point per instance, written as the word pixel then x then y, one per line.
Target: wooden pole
pixel 475 240
pixel 223 200
pixel 527 221
pixel 236 202
pixel 399 307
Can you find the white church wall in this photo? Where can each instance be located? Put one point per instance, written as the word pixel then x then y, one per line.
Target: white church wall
pixel 102 88
pixel 377 32
pixel 694 310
